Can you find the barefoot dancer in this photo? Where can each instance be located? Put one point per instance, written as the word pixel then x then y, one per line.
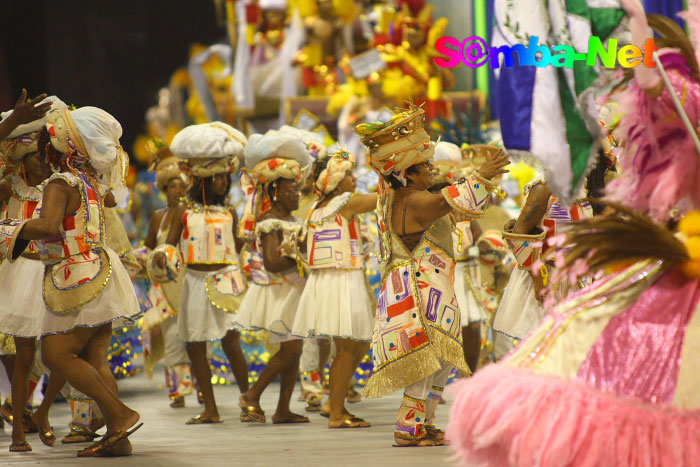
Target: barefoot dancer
pixel 336 303
pixel 86 285
pixel 23 308
pixel 204 228
pixel 166 297
pixel 276 165
pixel 417 333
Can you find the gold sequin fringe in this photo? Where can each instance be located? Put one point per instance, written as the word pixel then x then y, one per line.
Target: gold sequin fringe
pixel 417 365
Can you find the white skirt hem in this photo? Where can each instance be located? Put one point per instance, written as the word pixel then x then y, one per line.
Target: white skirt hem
pixel 117 304
pixel 198 320
pixel 335 303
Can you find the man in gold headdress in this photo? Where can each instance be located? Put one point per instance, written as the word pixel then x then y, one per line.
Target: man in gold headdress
pixel 417 337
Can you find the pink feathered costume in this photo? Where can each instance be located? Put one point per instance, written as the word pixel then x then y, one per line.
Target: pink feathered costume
pixel 612 376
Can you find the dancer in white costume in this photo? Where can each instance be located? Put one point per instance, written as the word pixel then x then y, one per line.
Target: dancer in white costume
pixel 520 310
pixel 275 162
pixel 86 288
pixel 336 302
pixel 23 309
pixel 204 229
pixel 166 297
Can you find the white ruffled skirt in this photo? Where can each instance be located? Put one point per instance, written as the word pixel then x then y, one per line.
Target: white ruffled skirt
pixel 198 320
pixel 335 303
pixel 519 312
pixel 469 308
pixel 117 304
pixel 22 307
pixel 271 308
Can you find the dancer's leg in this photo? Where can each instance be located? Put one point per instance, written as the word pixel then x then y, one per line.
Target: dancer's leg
pixel 197 352
pixel 231 343
pixel 288 354
pixel 24 360
pixel 288 378
pixel 96 354
pixel 471 344
pixel 341 372
pixel 60 354
pixel 41 416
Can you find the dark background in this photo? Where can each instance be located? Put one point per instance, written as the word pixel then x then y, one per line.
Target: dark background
pixel 112 54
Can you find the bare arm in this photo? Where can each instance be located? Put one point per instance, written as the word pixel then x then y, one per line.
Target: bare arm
pixel 359 204
pixel 5 191
pixel 57 200
pixel 238 240
pixel 152 237
pixel 176 224
pixel 476 230
pixel 272 258
pixel 426 207
pixel 647 78
pixel 534 210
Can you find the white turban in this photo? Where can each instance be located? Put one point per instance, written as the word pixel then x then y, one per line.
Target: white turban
pixel 445 151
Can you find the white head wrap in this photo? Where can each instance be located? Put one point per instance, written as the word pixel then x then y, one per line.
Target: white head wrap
pixel 93 134
pixel 445 151
pixel 313 141
pixel 275 144
pixel 273 4
pixel 210 148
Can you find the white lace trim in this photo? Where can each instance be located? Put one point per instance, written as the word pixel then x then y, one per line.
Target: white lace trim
pixel 22 191
pixel 321 215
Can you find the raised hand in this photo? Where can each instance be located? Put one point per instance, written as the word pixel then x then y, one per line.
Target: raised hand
pixel 493 166
pixel 28 111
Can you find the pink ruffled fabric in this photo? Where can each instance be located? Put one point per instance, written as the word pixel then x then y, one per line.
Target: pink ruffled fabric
pixel 660 165
pixel 646 335
pixel 506 416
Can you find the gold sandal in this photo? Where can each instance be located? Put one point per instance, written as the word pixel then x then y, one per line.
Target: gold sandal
pixel 199 420
pixel 351 422
pixel 352 396
pixel 437 434
pixel 178 403
pixel 79 435
pixel 424 441
pixel 6 412
pixel 255 413
pixel 313 403
pixel 294 419
pixel 113 445
pixel 20 446
pixel 48 437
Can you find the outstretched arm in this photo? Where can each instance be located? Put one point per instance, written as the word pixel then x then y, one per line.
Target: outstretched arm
pixel 359 204
pixel 427 207
pixel 647 78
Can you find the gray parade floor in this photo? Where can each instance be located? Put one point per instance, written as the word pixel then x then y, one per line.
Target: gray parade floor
pixel 165 440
